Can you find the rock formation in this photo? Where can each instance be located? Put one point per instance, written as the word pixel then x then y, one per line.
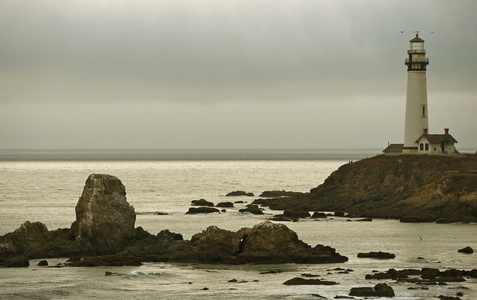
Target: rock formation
pixel 104 235
pixel 103 216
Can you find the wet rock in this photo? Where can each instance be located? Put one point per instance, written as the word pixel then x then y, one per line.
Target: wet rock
pixel 103 216
pixel 28 237
pixel 442 297
pixel 225 204
pixel 379 290
pixel 379 255
pixel 297 212
pixel 318 215
pixel 302 281
pixel 42 263
pixel 239 193
pixel 466 250
pixel 17 262
pixel 266 242
pixel 116 260
pixel 253 209
pixel 202 202
pixel 202 210
pixel 339 214
pixel 275 194
pixel 281 218
pixel 417 219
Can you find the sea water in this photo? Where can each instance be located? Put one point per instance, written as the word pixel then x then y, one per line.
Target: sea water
pixel 45 186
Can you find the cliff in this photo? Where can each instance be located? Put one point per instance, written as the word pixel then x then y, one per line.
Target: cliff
pixel 407 187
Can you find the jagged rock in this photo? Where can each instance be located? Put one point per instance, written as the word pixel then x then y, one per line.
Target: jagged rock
pixel 201 202
pixel 266 242
pixel 442 297
pixel 239 193
pixel 428 275
pixel 379 255
pixel 202 210
pixel 103 216
pixel 379 290
pixel 466 250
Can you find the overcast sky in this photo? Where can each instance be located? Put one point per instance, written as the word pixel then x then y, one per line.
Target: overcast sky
pixel 229 74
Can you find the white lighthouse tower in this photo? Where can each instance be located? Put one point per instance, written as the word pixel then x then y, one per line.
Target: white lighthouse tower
pixel 416 98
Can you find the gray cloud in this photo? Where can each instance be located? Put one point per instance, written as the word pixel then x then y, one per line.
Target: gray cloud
pixel 337 64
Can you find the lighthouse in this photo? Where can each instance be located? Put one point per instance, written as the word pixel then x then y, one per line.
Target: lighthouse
pixel 416 120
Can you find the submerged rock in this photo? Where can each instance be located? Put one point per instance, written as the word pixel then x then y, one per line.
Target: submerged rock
pixel 201 202
pixel 379 290
pixel 302 281
pixel 202 210
pixel 17 262
pixel 379 255
pixel 466 250
pixel 253 209
pixel 239 193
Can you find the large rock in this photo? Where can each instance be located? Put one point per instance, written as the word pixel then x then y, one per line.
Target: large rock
pixel 28 237
pixel 103 216
pixel 266 242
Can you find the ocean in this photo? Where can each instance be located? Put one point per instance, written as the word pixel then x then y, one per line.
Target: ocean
pixel 45 186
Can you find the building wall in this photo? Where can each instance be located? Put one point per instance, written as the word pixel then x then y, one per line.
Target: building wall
pixel 434 149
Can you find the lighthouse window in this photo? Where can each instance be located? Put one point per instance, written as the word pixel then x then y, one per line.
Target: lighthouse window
pixel 424 111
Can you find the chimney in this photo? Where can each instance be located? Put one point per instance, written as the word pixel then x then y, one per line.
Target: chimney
pixel 425 130
pixel 446 130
